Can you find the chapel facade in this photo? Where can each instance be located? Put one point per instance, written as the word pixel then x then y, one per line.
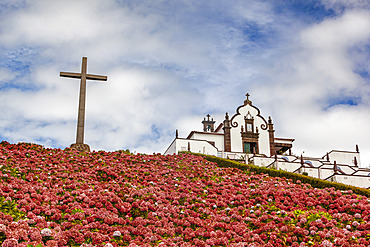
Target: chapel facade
pixel 246 132
pixel 248 137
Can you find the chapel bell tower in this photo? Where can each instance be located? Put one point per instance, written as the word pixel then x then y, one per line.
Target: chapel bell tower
pixel 208 124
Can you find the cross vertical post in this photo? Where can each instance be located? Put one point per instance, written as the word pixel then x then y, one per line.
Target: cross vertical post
pixel 81 104
pixel 79 145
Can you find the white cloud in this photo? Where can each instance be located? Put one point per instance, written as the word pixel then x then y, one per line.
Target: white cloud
pixel 313 84
pixel 343 5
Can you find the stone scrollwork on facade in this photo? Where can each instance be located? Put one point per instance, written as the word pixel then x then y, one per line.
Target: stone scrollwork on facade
pixel 248 102
pixel 234 124
pixel 264 125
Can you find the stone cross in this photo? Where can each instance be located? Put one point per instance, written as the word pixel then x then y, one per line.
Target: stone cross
pixel 79 145
pixel 247 101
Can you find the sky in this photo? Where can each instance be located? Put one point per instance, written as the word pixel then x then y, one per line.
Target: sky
pixel 305 63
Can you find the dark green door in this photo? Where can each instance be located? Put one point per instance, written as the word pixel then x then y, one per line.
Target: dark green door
pixel 247 147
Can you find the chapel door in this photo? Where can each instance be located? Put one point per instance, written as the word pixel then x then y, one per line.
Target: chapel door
pixel 247 147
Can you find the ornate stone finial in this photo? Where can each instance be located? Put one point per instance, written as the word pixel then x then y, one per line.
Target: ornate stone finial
pixel 355 161
pixel 270 120
pixel 357 149
pixel 177 133
pixel 247 101
pixel 227 116
pixel 208 116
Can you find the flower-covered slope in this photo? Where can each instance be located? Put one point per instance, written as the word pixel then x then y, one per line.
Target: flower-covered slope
pixel 56 197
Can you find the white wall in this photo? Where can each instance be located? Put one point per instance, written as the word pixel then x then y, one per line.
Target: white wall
pixel 262 161
pixel 359 181
pixel 362 173
pixel 288 166
pixel 171 149
pixel 218 139
pixel 345 158
pixel 196 146
pixel 312 172
pixel 325 171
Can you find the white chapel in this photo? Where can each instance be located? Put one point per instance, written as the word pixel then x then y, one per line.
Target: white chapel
pixel 247 136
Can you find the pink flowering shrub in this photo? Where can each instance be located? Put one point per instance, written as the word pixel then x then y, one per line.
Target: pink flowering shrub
pixel 53 197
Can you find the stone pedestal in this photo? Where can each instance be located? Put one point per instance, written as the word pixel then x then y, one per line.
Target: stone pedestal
pixel 81 147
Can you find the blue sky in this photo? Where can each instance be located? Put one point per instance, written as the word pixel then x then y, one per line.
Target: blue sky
pixel 169 63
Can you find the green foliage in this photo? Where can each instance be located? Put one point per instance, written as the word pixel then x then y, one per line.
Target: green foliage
pixel 318 215
pixel 314 182
pixel 9 207
pixel 10 171
pixel 127 151
pixel 30 245
pixel 77 210
pixel 2 237
pixel 312 216
pixel 136 212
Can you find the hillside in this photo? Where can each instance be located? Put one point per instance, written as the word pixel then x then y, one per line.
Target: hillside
pixel 57 197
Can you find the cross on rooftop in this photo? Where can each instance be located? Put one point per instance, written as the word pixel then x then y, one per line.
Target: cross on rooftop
pixel 79 145
pixel 247 101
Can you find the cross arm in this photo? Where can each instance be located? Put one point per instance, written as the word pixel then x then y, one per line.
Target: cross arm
pixel 88 76
pixel 96 77
pixel 70 75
